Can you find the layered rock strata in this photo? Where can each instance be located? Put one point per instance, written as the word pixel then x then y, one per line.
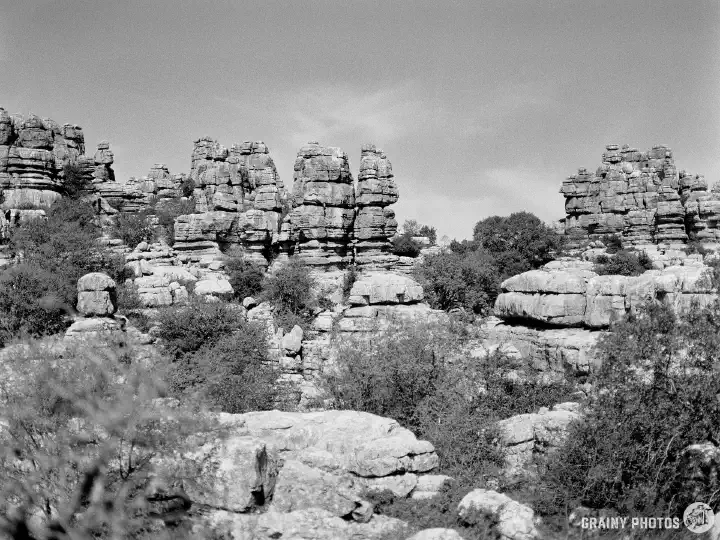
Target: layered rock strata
pixel 319 226
pixel 640 196
pixel 579 297
pixel 375 222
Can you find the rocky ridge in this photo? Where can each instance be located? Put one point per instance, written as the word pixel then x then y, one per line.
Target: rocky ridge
pixel 642 197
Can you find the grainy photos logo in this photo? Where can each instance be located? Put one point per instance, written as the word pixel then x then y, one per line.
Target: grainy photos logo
pixel 698 518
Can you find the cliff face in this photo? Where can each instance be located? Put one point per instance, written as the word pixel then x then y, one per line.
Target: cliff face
pixel 642 197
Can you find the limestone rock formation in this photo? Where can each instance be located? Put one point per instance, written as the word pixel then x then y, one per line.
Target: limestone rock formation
pixel 579 297
pixel 319 226
pixel 640 196
pixel 375 222
pixel 525 436
pixel 510 519
pixel 328 461
pixel 96 295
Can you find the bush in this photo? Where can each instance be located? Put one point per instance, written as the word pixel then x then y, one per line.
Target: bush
pixel 133 228
pixel 27 304
pixel 656 394
pixel 246 277
pixel 168 212
pixel 452 280
pixel 290 291
pixel 349 279
pixel 187 187
pixel 187 329
pixel 54 255
pixel 623 263
pixel 233 374
pixel 80 431
pixel 405 246
pixel 613 243
pixel 75 183
pixel 518 243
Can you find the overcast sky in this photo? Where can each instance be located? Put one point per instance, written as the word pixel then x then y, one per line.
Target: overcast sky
pixel 482 106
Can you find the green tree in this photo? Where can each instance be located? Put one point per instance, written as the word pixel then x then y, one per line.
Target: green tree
pixel 452 280
pixel 519 242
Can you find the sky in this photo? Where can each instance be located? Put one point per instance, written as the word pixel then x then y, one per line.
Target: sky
pixel 482 106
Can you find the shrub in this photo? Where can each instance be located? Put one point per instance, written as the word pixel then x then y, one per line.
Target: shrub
pixel 80 432
pixel 187 187
pixel 468 281
pixel 405 246
pixel 233 374
pixel 54 254
pixel 75 183
pixel 187 329
pixel 613 243
pixel 518 243
pixel 623 263
pixel 349 279
pixel 168 212
pixel 246 277
pixel 27 306
pixel 656 394
pixel 290 291
pixel 133 228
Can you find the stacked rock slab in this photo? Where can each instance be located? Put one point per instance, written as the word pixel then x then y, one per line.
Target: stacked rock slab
pixel 30 172
pixel 702 208
pixel 375 222
pixel 33 154
pixel 323 199
pixel 578 297
pixel 243 191
pixel 97 303
pixel 634 194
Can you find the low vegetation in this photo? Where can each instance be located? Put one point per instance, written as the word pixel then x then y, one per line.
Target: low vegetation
pixel 38 294
pixel 623 263
pixel 290 290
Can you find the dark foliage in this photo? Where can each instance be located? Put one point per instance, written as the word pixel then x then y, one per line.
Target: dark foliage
pixel 232 374
pixel 468 281
pixel 290 291
pixel 169 211
pixel 613 243
pixel 75 183
pixel 623 263
pixel 518 243
pixel 404 246
pixel 430 233
pixel 187 329
pixel 42 291
pixel 134 228
pixel 246 277
pixel 657 394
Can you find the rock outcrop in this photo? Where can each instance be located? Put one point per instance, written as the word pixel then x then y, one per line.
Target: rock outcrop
pixel 579 297
pixel 319 226
pixel 375 222
pixel 97 303
pixel 642 197
pixel 309 470
pixel 525 436
pixel 509 519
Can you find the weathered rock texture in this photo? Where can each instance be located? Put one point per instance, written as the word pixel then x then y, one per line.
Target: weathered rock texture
pixel 310 471
pixel 375 222
pixel 579 297
pixel 527 436
pixel 642 197
pixel 33 152
pixel 319 226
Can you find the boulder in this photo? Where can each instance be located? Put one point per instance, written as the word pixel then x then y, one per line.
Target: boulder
pixel 510 519
pixel 385 288
pixel 96 295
